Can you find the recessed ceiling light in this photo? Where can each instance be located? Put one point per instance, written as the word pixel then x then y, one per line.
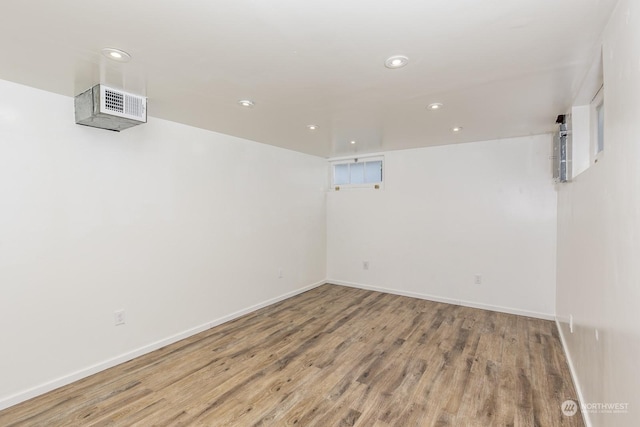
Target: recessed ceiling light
pixel 396 61
pixel 352 142
pixel 246 103
pixel 312 127
pixel 116 54
pixel 435 106
pixel 456 129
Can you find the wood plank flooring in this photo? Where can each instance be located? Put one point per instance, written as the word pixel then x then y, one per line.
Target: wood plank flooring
pixel 333 356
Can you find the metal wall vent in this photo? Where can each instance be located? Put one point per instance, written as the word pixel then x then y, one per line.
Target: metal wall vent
pixel 126 104
pixel 107 108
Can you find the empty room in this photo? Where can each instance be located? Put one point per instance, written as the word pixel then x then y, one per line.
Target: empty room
pixel 287 213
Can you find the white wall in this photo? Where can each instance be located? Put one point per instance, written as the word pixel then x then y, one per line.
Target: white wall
pixel 179 226
pixel 448 213
pixel 599 239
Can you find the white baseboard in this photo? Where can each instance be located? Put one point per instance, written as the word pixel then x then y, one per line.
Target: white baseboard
pixel 574 377
pixel 30 393
pixel 527 313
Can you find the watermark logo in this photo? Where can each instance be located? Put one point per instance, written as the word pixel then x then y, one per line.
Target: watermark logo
pixel 569 408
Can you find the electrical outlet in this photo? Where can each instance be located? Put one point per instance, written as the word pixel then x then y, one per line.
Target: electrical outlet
pixel 478 279
pixel 597 335
pixel 280 273
pixel 571 323
pixel 118 317
pixel 365 265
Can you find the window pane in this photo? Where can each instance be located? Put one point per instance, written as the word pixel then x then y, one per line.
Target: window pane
pixel 373 172
pixel 600 110
pixel 357 173
pixel 341 174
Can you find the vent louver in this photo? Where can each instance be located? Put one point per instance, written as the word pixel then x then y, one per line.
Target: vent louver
pixel 107 108
pixel 113 101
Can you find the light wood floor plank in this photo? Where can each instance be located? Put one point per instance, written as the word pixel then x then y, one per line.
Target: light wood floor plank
pixel 333 356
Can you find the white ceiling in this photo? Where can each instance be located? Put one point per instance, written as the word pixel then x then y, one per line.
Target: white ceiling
pixel 501 68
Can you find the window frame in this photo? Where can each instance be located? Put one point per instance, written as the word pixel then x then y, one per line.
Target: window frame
pixel 353 160
pixel 597 104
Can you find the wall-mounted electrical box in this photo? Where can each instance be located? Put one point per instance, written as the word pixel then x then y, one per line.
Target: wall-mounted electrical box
pixel 562 149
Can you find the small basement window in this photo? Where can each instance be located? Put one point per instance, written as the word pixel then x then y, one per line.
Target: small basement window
pixel 600 127
pixel 597 125
pixel 358 173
